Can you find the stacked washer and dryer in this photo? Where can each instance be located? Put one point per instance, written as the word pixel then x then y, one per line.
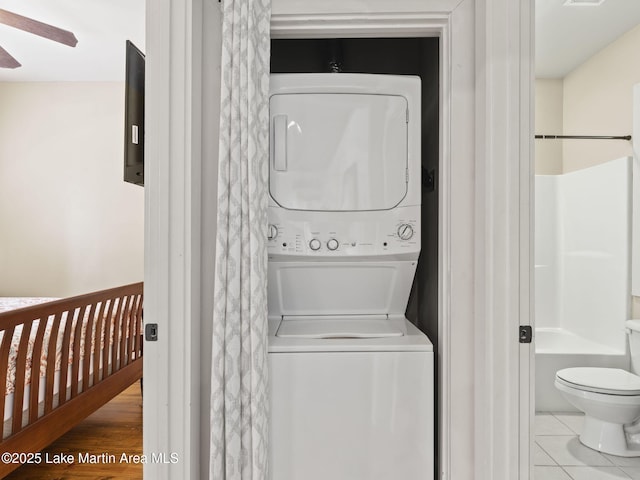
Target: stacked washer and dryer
pixel 351 378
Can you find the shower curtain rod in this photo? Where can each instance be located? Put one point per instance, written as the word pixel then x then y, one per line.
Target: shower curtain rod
pixel 585 137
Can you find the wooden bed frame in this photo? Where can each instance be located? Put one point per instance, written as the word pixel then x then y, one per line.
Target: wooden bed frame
pixel 120 320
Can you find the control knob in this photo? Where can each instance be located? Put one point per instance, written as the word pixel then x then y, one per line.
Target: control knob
pixel 314 244
pixel 332 244
pixel 405 231
pixel 272 233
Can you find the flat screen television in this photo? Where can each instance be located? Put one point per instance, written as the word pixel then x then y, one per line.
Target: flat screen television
pixel 134 116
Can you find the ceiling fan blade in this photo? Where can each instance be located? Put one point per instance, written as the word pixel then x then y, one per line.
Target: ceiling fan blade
pixel 38 28
pixel 7 61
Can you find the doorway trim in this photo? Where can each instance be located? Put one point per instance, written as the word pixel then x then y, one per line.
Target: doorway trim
pixel 484 270
pixel 412 24
pixel 475 303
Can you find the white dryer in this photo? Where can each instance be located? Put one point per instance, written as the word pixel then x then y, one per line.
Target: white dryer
pixel 351 378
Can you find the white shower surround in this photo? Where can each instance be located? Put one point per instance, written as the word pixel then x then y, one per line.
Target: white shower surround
pixel 582 274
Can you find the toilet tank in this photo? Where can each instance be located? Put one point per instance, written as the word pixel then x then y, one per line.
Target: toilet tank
pixel 633 330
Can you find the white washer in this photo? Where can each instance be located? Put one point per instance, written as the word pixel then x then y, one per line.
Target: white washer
pixel 351 378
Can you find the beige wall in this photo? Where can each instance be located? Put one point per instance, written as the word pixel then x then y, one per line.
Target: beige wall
pixel 548 113
pixel 598 101
pixel 69 224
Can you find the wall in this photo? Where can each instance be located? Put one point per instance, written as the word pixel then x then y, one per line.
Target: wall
pixel 594 222
pixel 70 224
pixel 549 119
pixel 635 210
pixel 547 252
pixel 598 100
pixel 582 251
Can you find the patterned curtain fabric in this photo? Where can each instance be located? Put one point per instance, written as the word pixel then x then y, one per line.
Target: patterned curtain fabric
pixel 239 402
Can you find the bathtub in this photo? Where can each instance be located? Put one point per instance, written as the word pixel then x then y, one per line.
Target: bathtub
pixel 558 348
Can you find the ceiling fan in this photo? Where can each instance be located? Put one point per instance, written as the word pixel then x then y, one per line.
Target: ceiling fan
pixel 32 26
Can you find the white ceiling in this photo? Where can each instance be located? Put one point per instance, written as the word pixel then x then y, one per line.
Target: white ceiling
pixel 101 27
pixel 566 36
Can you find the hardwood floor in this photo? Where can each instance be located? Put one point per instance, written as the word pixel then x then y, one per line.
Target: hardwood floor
pixel 103 437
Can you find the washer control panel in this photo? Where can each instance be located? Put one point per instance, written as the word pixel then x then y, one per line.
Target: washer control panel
pixel 352 235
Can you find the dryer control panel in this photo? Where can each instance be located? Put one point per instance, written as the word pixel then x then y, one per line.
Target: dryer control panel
pixel 346 234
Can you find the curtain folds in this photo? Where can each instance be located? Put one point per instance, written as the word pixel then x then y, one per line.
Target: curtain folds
pixel 239 390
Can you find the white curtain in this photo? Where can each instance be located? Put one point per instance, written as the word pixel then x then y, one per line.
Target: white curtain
pixel 239 402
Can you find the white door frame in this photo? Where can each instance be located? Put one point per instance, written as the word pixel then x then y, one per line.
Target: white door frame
pixel 485 234
pixel 504 92
pixel 180 129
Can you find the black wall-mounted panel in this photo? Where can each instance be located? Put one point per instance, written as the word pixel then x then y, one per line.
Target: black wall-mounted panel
pixel 134 116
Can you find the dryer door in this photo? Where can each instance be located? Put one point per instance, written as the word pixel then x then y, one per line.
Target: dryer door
pixel 338 152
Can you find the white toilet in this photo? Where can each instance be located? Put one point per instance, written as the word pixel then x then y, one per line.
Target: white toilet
pixel 610 400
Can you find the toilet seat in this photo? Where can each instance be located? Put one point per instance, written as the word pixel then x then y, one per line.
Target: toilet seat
pixel 610 381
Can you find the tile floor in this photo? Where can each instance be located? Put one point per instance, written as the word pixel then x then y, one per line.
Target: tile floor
pixel 559 455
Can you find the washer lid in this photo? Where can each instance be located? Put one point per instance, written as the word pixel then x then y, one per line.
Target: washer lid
pixel 601 380
pixel 411 340
pixel 334 326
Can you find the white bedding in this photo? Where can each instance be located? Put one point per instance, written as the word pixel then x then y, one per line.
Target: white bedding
pixel 13 303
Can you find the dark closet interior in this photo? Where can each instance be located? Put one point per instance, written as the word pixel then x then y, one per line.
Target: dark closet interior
pixel 395 56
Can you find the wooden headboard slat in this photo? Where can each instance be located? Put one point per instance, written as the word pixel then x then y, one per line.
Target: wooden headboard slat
pixel 36 356
pixel 4 362
pixel 82 323
pixel 70 320
pixel 21 364
pixel 102 313
pixel 123 303
pixel 89 347
pixel 108 331
pixel 51 364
